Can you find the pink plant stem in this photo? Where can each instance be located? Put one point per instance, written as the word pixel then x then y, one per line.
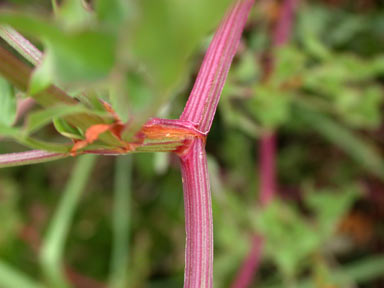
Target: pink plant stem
pixel 267 167
pixel 199 111
pixel 28 157
pixel 202 102
pixel 23 106
pixel 267 156
pixel 251 262
pixel 198 217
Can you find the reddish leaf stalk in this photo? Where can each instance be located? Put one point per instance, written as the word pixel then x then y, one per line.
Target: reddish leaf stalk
pixel 29 157
pixel 202 102
pixel 267 154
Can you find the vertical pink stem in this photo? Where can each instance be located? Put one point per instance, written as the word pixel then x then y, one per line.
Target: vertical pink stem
pixel 199 111
pixel 267 154
pixel 283 29
pixel 267 167
pixel 198 218
pixel 251 262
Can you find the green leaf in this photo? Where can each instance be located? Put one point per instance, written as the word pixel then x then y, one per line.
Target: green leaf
pixel 67 130
pixel 73 14
pixel 289 240
pixel 7 131
pixel 290 62
pixel 11 278
pixel 269 105
pixel 42 75
pixel 38 119
pixel 358 149
pixel 112 12
pixel 330 205
pixel 361 271
pixel 311 24
pixel 77 56
pixel 180 25
pixel 7 103
pixel 82 56
pixel 19 136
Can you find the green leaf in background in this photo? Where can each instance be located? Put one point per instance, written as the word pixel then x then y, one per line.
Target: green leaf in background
pixel 78 56
pixel 54 242
pixel 38 119
pixel 10 278
pixel 246 71
pixel 73 14
pixel 67 130
pixel 290 62
pixel 42 76
pixel 19 136
pixel 11 224
pixel 361 107
pixel 269 105
pixel 330 205
pixel 358 149
pixel 360 271
pixel 136 99
pixel 82 56
pixel 180 26
pixel 311 23
pixel 289 239
pixel 113 13
pixel 7 103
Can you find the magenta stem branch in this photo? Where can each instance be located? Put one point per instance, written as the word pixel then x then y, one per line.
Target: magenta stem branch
pixel 204 98
pixel 199 111
pixel 267 167
pixel 198 218
pixel 28 157
pixel 267 155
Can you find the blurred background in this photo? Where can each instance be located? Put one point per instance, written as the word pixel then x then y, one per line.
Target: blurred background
pixel 319 97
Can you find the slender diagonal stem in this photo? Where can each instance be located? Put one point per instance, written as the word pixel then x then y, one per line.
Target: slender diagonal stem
pixel 21 44
pixel 202 102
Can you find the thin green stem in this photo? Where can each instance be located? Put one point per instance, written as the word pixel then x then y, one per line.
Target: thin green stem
pixel 55 6
pixel 51 256
pixel 121 223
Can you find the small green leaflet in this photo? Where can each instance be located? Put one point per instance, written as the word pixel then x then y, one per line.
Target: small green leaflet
pixel 41 118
